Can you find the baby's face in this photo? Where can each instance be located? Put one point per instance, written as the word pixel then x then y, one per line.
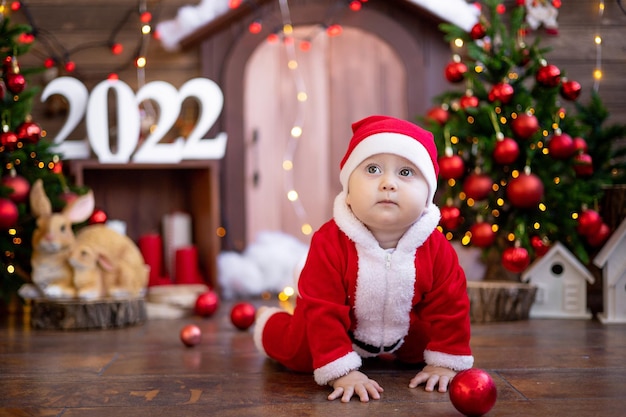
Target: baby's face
pixel 387 192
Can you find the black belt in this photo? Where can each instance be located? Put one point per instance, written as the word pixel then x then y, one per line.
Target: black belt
pixel 374 349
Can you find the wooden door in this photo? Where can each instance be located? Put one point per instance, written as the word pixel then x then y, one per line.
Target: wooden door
pixel 346 78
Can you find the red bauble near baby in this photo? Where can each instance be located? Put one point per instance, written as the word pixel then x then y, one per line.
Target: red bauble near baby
pixel 473 392
pixel 206 304
pixel 242 315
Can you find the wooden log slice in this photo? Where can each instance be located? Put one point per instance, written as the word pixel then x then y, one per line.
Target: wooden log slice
pixel 499 301
pixel 84 315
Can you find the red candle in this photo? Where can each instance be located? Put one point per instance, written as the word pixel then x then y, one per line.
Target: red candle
pixel 186 266
pixel 151 248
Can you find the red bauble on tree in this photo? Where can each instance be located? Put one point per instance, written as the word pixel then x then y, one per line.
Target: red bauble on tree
pixel 525 125
pixel 539 245
pixel 525 191
pixel 583 165
pixel 455 71
pixel 16 83
pixel 438 115
pixel 477 186
pixel 561 146
pixel 20 186
pixel 599 236
pixel 9 140
pixel 482 235
pixel 548 75
pixel 450 217
pixel 580 145
pixel 478 31
pixel 468 101
pixel 515 259
pixel 242 315
pixel 502 92
pixel 589 221
pixel 28 132
pixel 570 90
pixel 506 151
pixel 451 167
pixel 98 217
pixel 8 213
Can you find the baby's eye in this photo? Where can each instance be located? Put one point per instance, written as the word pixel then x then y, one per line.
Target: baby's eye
pixel 406 172
pixel 373 169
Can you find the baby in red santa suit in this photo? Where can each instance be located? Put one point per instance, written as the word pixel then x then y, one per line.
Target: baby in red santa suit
pixel 379 277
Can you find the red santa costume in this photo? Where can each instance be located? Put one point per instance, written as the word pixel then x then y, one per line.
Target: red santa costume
pixel 358 300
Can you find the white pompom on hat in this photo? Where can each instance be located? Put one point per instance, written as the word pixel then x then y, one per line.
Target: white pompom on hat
pixel 383 134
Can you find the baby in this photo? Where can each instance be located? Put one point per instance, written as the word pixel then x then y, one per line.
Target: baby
pixel 379 277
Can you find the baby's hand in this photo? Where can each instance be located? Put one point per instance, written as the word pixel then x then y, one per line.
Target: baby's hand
pixel 433 375
pixel 355 383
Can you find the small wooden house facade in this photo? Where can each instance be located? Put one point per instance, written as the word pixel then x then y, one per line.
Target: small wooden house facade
pixel 561 282
pixel 612 260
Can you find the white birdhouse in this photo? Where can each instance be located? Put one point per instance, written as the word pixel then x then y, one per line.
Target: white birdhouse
pixel 561 282
pixel 612 260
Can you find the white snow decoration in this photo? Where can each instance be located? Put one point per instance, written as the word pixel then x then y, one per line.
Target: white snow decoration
pixel 190 18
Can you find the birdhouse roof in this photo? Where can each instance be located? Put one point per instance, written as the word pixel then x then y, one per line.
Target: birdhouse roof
pixel 611 245
pixel 558 249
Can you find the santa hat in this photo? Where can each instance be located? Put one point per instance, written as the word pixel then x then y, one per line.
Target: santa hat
pixel 383 134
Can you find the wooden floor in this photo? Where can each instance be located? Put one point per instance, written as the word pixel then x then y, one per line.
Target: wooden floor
pixel 541 368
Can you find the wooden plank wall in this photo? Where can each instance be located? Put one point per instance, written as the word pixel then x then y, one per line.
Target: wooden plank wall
pixel 74 24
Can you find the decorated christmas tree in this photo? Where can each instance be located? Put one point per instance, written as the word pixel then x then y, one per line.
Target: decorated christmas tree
pixel 24 157
pixel 522 163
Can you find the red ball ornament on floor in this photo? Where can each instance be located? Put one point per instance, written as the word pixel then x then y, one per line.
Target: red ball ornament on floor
pixel 190 335
pixel 477 186
pixel 20 186
pixel 561 146
pixel 506 151
pixel 206 304
pixel 502 92
pixel 450 217
pixel 482 235
pixel 473 392
pixel 515 259
pixel 525 191
pixel 8 214
pixel 451 167
pixel 570 90
pixel 525 125
pixel 438 115
pixel 455 71
pixel 242 315
pixel 548 75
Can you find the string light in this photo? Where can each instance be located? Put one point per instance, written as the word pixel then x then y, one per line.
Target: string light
pixel 597 72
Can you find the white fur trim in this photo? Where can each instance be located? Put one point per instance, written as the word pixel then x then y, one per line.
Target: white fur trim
pixel 337 368
pixel 454 362
pixel 385 281
pixel 397 144
pixel 261 321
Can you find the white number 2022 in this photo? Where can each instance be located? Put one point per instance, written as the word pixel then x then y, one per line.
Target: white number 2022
pixel 169 101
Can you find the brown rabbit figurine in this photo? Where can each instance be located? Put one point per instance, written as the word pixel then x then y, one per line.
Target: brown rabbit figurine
pixel 107 262
pixel 53 239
